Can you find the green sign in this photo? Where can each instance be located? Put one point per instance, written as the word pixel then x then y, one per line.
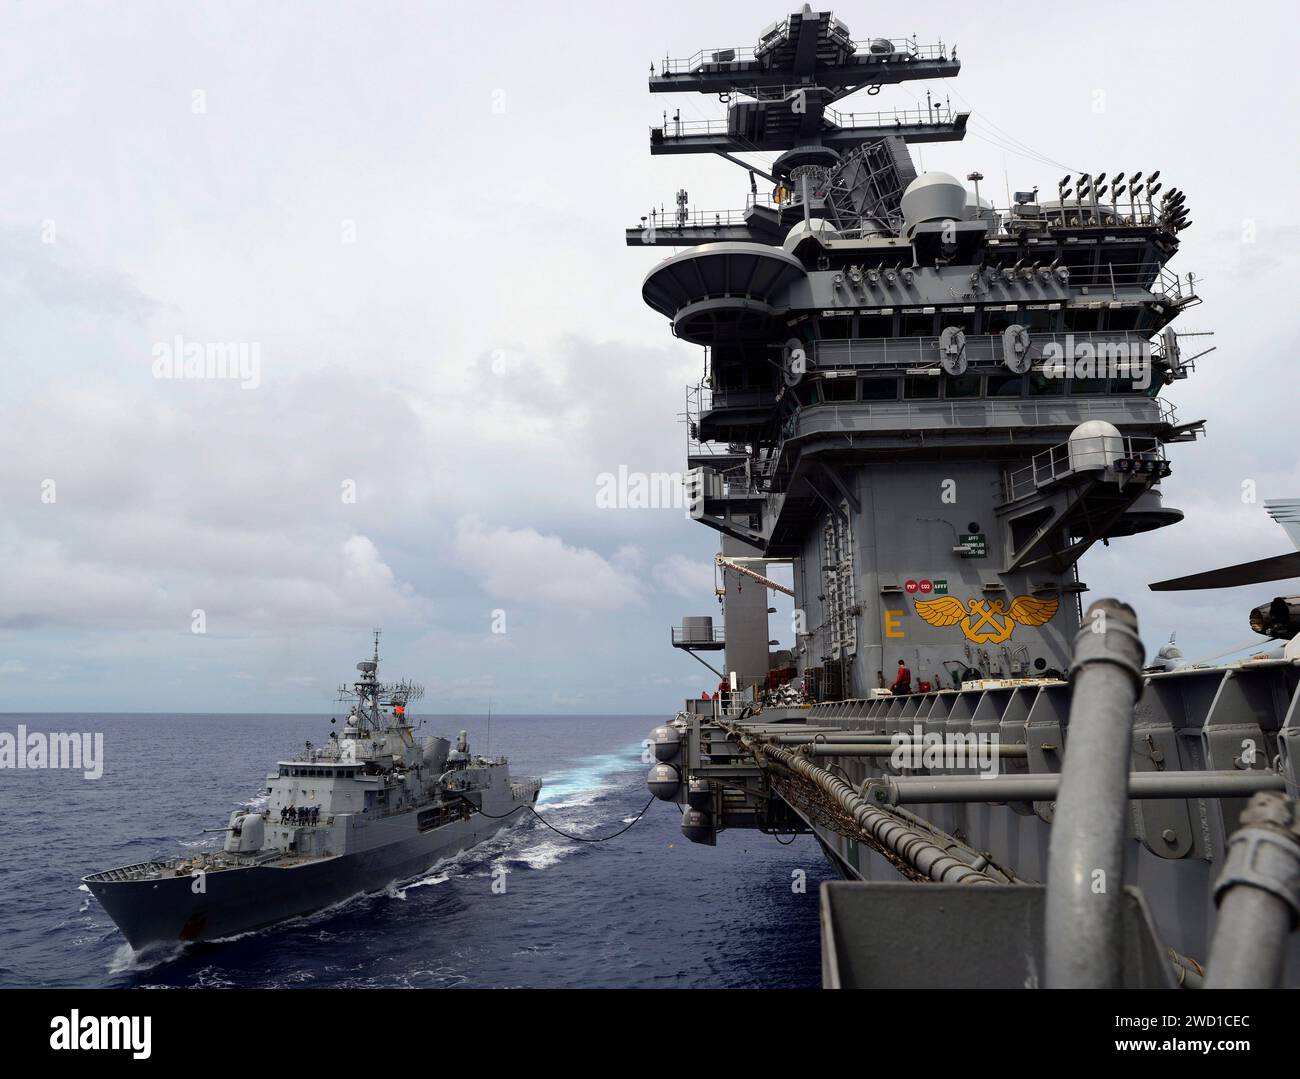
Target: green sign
pixel 940 588
pixel 976 545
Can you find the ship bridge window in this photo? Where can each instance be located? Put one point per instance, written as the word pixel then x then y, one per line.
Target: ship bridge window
pixel 804 330
pixel 1086 386
pixel 875 325
pixel 967 385
pixel 1039 320
pixel 1006 386
pixel 917 324
pixel 964 321
pixel 997 321
pixel 1083 319
pixel 880 389
pixel 1040 385
pixel 839 389
pixel 920 387
pixel 834 329
pixel 1122 319
pixel 729 377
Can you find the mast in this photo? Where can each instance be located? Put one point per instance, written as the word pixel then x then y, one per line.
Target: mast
pixel 371 697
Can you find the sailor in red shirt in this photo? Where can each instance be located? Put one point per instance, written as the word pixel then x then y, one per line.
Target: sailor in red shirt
pixel 903 683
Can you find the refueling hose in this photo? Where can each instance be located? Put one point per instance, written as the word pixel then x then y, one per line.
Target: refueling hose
pixel 892 834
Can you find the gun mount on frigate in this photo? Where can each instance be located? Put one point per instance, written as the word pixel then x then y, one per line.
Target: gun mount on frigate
pixel 931 407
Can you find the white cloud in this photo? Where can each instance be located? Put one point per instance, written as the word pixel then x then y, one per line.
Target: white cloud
pixel 522 565
pixel 686 577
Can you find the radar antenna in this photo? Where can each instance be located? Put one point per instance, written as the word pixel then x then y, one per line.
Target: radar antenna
pixel 370 696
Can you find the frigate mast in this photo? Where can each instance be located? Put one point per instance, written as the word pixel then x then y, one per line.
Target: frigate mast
pixel 930 406
pixel 371 695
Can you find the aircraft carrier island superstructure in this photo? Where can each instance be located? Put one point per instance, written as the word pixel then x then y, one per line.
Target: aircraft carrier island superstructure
pixel 931 407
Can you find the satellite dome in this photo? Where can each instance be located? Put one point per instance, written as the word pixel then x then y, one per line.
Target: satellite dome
pixel 816 228
pixel 933 196
pixel 1095 444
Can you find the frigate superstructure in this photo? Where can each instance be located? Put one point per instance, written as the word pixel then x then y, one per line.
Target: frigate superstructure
pixel 372 806
pixel 930 407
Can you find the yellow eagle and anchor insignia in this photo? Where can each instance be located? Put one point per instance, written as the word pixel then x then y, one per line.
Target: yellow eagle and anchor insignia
pixel 987 621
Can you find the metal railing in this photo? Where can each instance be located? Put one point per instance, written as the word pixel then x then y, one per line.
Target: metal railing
pixel 938 114
pixel 1058 462
pixel 700 219
pixel 733 55
pixel 660 217
pixel 990 412
pixel 690 635
pixel 1107 275
pixel 672 127
pixel 865 354
pixel 733 706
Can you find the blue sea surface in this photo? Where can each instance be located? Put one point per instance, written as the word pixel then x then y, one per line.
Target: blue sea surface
pixel 645 909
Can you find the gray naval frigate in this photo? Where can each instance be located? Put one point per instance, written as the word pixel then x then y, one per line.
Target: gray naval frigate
pixel 370 807
pixel 930 407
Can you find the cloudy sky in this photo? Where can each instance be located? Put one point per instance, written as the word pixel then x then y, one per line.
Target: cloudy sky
pixel 414 212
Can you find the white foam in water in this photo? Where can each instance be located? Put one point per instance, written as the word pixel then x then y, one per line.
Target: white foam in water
pixel 437 878
pixel 583 784
pixel 545 854
pixel 564 796
pixel 126 960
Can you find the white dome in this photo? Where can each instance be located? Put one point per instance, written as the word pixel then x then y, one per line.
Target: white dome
pixel 818 228
pixel 1095 444
pixel 933 196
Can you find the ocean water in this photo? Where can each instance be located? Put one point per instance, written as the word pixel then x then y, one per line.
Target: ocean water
pixel 645 909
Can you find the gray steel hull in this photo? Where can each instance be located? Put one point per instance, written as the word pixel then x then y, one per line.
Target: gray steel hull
pixel 168 910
